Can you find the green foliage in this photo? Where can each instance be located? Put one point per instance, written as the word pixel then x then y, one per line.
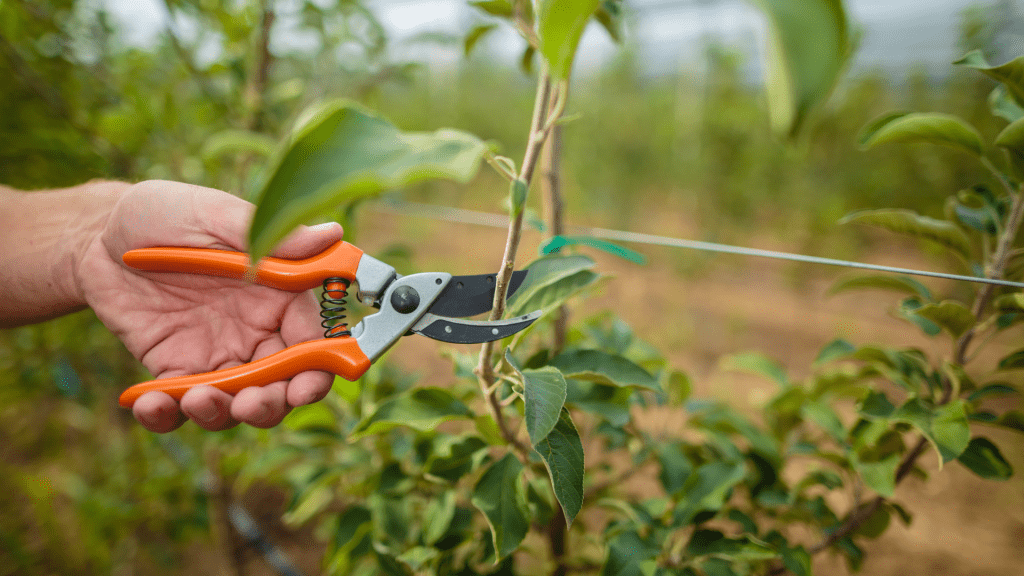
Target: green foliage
pixel 921 128
pixel 809 44
pixel 560 24
pixel 343 153
pixel 396 477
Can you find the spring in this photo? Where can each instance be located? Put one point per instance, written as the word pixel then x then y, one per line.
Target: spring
pixel 332 307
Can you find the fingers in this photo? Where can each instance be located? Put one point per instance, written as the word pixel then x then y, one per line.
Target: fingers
pixel 164 213
pixel 209 407
pixel 158 412
pixel 308 387
pixel 262 407
pixel 306 241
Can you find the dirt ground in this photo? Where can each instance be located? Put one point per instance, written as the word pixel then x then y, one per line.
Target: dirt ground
pixel 962 525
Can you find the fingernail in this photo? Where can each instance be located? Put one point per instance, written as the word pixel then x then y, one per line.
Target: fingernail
pixel 205 413
pixel 325 227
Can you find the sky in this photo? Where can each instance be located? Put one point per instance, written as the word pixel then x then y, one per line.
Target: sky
pixel 669 34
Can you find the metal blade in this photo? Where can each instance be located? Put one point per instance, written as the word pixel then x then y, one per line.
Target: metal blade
pixel 471 331
pixel 471 295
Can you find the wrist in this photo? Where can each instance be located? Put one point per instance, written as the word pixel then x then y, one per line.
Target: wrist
pixel 90 206
pixel 43 236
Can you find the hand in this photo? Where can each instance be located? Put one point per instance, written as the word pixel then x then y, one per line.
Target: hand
pixel 179 324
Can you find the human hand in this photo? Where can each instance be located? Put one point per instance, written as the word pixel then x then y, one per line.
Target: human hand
pixel 178 324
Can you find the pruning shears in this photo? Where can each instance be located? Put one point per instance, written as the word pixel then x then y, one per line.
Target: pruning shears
pixel 432 304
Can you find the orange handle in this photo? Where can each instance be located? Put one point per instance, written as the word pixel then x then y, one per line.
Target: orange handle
pixel 341 260
pixel 341 356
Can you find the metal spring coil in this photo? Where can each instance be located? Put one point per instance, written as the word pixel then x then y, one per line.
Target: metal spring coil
pixel 332 307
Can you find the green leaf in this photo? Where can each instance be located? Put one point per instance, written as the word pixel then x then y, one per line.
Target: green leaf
pixel 808 46
pixel 834 350
pixel 608 15
pixel 1003 105
pixel 1013 361
pixel 983 458
pixel 603 368
pixel 824 416
pixel 994 389
pixel 421 409
pixel 951 315
pixel 438 517
pixel 1011 74
pixel 609 402
pixel 317 416
pixel 1010 302
pixel 543 274
pixel 876 524
pixel 757 364
pixel 343 153
pixel 707 489
pixel 562 451
pixel 879 476
pixel 675 467
pixel 556 243
pixel 913 224
pixel 876 405
pixel 453 457
pixel 560 24
pixel 713 542
pixel 499 8
pixel 237 142
pixel 907 310
pixel 1012 139
pixel 920 127
pixel 543 395
pixel 500 496
pixel 945 427
pixel 1013 420
pixel 626 553
pixel 475 35
pixel 517 192
pixel 882 282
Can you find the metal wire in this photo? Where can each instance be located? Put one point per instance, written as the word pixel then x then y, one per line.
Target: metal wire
pixel 499 221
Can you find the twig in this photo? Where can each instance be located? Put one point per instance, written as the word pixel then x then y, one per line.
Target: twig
pixel 999 261
pixel 485 370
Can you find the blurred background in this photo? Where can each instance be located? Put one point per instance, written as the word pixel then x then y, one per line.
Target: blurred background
pixel 673 138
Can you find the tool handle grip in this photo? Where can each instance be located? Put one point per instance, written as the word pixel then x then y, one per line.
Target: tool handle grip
pixel 340 260
pixel 341 356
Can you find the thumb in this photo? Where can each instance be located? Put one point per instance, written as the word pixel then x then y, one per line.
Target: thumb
pixel 306 241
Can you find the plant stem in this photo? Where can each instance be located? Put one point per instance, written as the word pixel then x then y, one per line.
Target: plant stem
pixel 485 370
pixel 999 261
pixel 554 208
pixel 258 81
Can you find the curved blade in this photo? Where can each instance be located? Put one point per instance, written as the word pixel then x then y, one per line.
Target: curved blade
pixel 471 295
pixel 471 331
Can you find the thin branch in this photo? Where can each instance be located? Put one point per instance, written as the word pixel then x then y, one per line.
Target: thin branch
pixel 485 370
pixel 999 261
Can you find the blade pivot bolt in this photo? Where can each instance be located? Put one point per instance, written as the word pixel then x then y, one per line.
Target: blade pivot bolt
pixel 405 299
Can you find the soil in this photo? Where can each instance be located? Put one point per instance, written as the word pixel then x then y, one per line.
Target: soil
pixel 697 309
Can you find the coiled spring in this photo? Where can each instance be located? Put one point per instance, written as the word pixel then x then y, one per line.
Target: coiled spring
pixel 332 307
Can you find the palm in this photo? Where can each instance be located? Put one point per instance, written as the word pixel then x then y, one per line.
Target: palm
pixel 181 324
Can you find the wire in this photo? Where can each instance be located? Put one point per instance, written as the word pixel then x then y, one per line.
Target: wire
pixel 464 216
